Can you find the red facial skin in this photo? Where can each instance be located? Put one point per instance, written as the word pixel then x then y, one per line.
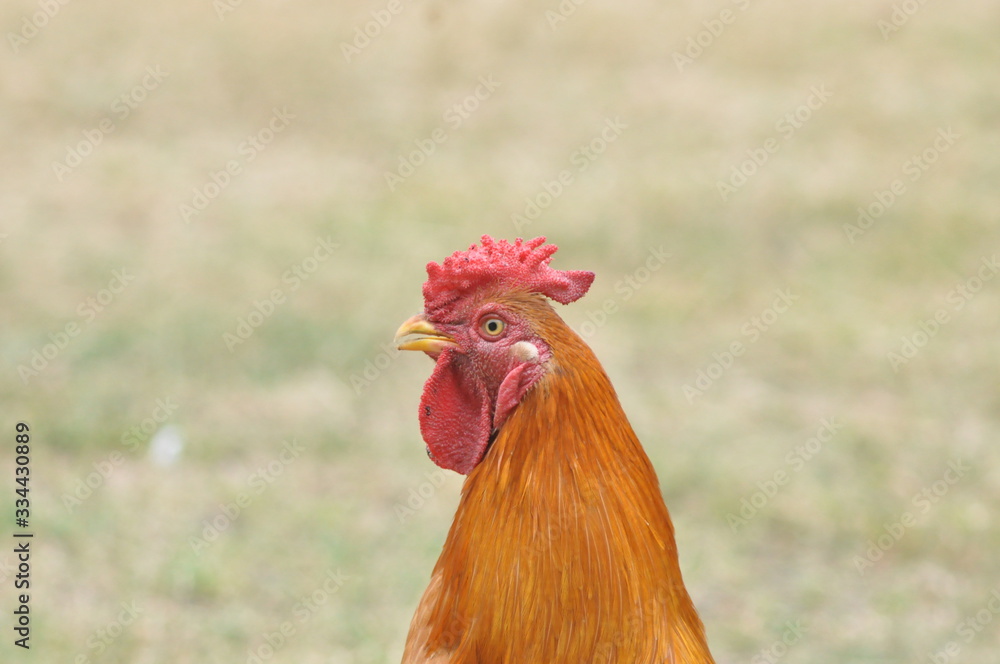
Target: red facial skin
pixel 477 383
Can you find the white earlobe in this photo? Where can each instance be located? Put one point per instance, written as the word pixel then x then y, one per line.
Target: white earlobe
pixel 525 351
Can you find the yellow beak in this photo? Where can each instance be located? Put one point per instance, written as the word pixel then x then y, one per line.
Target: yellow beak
pixel 417 334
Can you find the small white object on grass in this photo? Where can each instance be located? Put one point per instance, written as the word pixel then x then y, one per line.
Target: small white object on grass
pixel 166 446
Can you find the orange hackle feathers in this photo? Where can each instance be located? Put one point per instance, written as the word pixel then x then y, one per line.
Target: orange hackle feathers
pixel 562 550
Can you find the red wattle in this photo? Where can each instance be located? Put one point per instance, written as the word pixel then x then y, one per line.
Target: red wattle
pixel 512 389
pixel 455 419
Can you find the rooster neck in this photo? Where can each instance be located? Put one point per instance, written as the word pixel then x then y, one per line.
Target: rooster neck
pixel 562 549
pixel 566 459
pixel 568 439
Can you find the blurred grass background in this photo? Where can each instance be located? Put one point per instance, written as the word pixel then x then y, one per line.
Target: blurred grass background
pixel 335 509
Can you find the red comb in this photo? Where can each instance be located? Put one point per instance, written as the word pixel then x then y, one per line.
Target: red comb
pixel 522 265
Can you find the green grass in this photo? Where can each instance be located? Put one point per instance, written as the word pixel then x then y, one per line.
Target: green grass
pixel 334 509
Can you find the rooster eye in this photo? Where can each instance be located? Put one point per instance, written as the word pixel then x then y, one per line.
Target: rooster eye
pixel 492 327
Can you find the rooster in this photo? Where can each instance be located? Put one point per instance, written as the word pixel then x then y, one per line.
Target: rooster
pixel 562 550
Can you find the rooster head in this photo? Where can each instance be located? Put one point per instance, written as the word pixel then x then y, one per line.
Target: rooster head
pixel 489 349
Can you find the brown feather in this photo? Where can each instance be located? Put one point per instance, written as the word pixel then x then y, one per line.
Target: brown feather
pixel 562 550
